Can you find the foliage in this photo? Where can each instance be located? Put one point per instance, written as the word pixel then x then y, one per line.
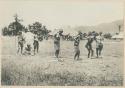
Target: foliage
pixel 107 36
pixel 5 31
pixel 40 29
pixel 12 29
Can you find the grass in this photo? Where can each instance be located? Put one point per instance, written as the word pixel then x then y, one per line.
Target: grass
pixel 66 78
pixel 40 70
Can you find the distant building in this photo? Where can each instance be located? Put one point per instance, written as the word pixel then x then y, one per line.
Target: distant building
pixel 119 36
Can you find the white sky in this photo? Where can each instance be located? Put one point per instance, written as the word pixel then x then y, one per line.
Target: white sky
pixel 57 14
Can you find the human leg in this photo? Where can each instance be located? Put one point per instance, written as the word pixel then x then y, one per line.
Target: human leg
pixel 97 52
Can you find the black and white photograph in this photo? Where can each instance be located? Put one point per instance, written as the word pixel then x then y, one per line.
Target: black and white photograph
pixel 62 43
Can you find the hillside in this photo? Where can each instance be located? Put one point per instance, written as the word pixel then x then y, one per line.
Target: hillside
pixel 111 27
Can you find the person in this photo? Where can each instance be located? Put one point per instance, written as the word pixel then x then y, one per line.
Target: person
pixel 20 43
pixel 99 44
pixel 57 42
pixel 76 47
pixel 88 45
pixel 36 43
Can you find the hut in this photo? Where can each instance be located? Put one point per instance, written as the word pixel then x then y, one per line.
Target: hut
pixel 119 36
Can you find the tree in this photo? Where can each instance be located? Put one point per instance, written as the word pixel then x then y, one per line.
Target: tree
pixel 36 27
pixel 41 30
pixel 107 36
pixel 45 32
pixel 14 28
pixel 5 31
pixel 119 28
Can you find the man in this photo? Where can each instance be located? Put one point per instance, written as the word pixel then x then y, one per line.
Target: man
pixel 76 47
pixel 20 43
pixel 99 44
pixel 57 42
pixel 36 42
pixel 88 45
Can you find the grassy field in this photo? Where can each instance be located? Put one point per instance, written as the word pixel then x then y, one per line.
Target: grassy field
pixel 43 69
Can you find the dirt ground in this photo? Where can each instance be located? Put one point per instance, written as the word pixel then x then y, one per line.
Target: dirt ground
pixel 18 69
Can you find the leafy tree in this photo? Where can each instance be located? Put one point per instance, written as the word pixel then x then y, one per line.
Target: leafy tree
pixel 36 27
pixel 5 31
pixel 107 36
pixel 42 31
pixel 14 28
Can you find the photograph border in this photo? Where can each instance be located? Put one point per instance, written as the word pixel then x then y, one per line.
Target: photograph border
pixel 2 17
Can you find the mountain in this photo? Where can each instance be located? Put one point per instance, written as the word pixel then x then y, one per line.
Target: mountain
pixel 112 27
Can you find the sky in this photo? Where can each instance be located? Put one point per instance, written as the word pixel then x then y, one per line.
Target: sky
pixel 55 14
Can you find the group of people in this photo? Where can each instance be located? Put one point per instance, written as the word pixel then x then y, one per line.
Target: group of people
pixel 28 42
pixel 90 39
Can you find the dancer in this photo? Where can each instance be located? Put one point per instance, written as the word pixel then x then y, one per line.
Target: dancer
pixel 88 45
pixel 76 47
pixel 57 42
pixel 36 43
pixel 99 44
pixel 20 43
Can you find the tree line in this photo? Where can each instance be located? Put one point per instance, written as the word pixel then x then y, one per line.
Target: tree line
pixel 15 27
